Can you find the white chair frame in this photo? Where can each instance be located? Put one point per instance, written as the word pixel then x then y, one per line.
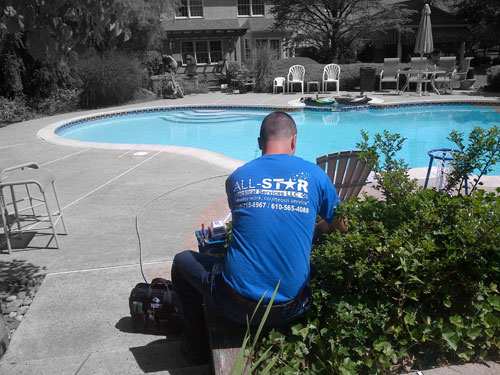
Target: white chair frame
pixel 296 74
pixel 331 74
pixel 279 82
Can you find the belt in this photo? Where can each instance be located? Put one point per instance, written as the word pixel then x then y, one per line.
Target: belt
pixel 251 304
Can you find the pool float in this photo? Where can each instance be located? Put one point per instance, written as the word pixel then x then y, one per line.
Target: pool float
pixel 318 102
pixel 363 99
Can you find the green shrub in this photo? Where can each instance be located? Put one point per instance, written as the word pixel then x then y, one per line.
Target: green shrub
pixel 43 81
pixel 493 77
pixel 481 60
pixel 413 284
pixel 349 74
pixel 189 86
pixel 262 69
pixel 236 76
pixel 11 84
pixel 14 110
pixel 474 159
pixel 109 80
pixel 59 101
pixel 233 70
pixel 153 62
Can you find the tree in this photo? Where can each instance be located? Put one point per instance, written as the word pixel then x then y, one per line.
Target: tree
pixel 483 16
pixel 55 29
pixel 38 38
pixel 337 27
pixel 142 19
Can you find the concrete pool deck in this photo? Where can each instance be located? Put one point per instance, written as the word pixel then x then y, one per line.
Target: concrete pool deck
pixel 79 321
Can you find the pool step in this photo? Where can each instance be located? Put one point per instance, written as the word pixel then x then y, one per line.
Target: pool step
pixel 217 112
pixel 202 121
pixel 207 116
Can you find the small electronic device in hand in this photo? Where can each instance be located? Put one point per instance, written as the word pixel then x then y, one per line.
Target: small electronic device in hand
pixel 219 230
pixel 212 240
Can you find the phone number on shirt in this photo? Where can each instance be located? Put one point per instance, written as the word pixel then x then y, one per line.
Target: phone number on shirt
pixel 289 207
pixel 273 206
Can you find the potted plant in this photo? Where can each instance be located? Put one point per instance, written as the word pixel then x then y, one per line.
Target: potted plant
pixel 236 77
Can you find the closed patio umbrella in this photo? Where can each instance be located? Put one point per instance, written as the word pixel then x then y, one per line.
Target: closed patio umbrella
pixel 424 43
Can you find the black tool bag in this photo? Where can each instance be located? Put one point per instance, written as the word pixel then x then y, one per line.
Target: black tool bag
pixel 153 308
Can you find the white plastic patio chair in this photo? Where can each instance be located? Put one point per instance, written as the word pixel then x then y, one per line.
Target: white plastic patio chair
pixel 331 74
pixel 296 74
pixel 390 72
pixel 277 83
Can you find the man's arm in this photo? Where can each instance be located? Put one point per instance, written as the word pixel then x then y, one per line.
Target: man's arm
pixel 338 223
pixel 229 195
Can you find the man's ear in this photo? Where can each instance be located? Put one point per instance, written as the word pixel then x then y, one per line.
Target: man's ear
pixel 261 146
pixel 293 142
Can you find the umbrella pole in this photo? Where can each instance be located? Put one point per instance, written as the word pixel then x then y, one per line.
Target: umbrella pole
pixel 419 78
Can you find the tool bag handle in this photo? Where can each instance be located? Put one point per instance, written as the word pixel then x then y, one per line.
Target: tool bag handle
pixel 168 296
pixel 160 281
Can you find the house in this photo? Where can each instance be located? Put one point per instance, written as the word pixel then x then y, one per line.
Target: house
pixel 215 30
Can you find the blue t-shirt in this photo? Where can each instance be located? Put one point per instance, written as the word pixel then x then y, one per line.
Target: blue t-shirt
pixel 274 201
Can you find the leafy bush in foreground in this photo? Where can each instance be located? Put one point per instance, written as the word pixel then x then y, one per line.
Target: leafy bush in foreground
pixel 59 101
pixel 153 62
pixel 493 77
pixel 17 109
pixel 109 80
pixel 14 110
pixel 413 284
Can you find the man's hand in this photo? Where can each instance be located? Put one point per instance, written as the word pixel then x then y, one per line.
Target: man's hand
pixel 338 223
pixel 323 228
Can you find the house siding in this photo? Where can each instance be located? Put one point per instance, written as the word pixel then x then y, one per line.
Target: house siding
pixel 220 21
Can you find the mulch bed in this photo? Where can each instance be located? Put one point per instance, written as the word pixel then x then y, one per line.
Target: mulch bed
pixel 16 296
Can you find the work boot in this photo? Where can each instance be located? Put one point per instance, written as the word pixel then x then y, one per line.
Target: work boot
pixel 196 352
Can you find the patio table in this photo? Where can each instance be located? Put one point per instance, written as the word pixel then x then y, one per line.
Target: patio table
pixel 423 76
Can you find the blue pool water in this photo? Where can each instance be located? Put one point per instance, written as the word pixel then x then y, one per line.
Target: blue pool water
pixel 234 132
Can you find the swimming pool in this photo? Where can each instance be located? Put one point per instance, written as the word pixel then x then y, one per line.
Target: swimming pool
pixel 233 132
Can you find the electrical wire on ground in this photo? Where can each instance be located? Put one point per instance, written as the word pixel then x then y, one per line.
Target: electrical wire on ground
pixel 158 197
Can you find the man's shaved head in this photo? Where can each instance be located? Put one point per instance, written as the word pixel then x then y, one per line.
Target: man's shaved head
pixel 277 126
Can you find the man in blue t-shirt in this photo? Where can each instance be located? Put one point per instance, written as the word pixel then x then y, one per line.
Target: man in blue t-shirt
pixel 274 202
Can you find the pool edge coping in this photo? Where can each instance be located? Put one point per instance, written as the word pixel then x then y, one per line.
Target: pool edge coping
pixel 48 133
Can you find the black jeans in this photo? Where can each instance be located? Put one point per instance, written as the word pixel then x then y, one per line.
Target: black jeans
pixel 197 275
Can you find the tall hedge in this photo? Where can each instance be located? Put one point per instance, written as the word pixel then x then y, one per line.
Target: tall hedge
pixel 112 79
pixel 415 283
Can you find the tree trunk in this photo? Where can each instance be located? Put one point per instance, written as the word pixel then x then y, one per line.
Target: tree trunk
pixel 334 49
